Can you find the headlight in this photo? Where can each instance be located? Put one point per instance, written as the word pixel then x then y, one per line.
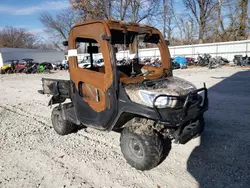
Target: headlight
pixel 161 102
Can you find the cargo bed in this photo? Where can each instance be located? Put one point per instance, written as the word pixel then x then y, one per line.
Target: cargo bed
pixel 55 87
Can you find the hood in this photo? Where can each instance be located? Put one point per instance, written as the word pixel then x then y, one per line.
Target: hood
pixel 170 86
pixel 5 67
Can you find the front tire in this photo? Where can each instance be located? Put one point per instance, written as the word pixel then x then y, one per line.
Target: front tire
pixel 142 151
pixel 62 127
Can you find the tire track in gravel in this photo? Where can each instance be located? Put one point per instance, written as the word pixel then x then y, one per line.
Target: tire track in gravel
pixel 34 171
pixel 98 138
pixel 98 150
pixel 92 135
pixel 95 154
pixel 22 113
pixel 70 169
pixel 33 108
pixel 27 144
pixel 36 117
pixel 2 114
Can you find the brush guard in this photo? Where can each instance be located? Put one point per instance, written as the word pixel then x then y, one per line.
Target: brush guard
pixel 187 121
pixel 187 103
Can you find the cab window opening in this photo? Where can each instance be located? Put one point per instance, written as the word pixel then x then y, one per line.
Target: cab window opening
pixel 89 55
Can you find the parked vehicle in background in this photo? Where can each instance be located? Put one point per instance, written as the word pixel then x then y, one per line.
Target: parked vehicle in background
pixel 221 60
pixel 31 68
pixel 182 61
pixel 9 66
pixel 175 65
pixel 19 67
pixel 144 61
pixel 237 59
pixel 245 61
pixel 241 61
pixel 61 65
pixel 156 62
pixel 203 60
pixel 211 62
pixel 26 60
pixel 99 63
pixel 84 64
pixel 58 66
pixel 54 66
pixel 190 61
pixel 44 67
pixel 65 64
pixel 47 65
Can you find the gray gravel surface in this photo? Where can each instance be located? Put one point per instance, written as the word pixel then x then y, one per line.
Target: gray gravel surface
pixel 33 155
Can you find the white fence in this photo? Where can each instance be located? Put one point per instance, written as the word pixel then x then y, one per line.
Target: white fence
pixel 224 49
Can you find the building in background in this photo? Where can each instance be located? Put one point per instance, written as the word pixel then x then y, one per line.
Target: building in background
pixel 39 56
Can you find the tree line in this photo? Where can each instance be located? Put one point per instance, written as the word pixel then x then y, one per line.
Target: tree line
pixel 181 22
pixel 185 22
pixel 11 37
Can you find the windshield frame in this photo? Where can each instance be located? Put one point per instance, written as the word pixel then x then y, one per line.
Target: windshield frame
pixel 159 72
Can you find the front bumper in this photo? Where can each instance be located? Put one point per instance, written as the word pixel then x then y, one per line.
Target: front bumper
pixel 190 110
pixel 188 120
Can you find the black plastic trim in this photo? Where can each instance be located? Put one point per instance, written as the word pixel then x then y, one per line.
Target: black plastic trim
pixel 125 105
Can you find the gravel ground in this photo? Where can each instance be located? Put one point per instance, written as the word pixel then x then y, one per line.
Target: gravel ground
pixel 33 155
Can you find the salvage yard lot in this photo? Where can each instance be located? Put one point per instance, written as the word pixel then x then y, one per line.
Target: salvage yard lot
pixel 33 155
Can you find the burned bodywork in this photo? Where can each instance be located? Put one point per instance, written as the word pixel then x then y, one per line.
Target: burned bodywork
pixel 171 86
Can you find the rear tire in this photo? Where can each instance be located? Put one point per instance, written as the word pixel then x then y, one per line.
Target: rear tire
pixel 62 127
pixel 142 151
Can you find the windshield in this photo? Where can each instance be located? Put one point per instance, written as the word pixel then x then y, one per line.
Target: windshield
pixel 140 46
pixel 137 53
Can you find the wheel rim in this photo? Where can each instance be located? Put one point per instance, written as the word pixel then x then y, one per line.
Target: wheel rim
pixel 136 148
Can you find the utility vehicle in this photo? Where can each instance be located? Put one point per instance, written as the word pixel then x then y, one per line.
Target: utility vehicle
pixel 62 65
pixel 147 105
pixel 9 66
pixel 20 67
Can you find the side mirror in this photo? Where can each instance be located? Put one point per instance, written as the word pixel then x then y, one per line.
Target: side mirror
pixel 167 42
pixel 65 43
